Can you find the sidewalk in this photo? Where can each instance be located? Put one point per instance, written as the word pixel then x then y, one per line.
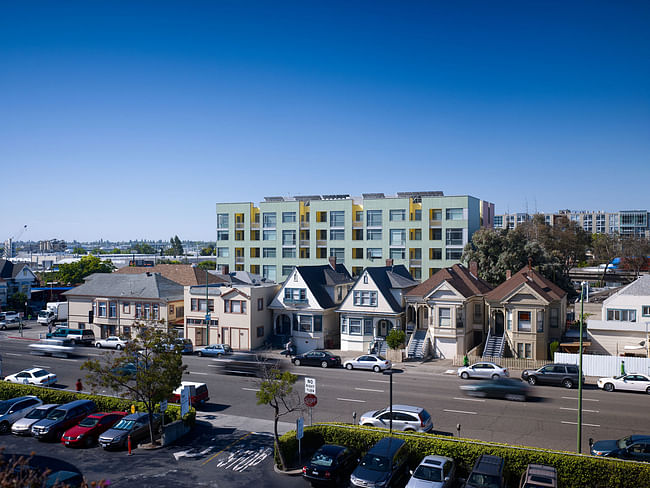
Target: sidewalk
pixel 31 331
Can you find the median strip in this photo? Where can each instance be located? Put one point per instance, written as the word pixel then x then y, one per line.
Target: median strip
pixel 460 411
pixel 351 400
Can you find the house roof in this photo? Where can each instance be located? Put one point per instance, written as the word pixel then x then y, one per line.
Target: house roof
pixel 183 274
pixel 390 277
pixel 458 276
pixel 319 277
pixel 639 287
pixel 120 285
pixel 527 275
pixel 9 270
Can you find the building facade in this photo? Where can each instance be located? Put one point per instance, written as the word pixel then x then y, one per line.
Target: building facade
pixel 423 231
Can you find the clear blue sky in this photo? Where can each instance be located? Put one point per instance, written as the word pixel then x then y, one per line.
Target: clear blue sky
pixel 125 120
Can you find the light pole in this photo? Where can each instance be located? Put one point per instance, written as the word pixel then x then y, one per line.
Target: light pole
pixel 582 315
pixel 207 311
pixel 389 372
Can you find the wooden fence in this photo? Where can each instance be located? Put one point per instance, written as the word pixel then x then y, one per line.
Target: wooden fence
pixel 511 363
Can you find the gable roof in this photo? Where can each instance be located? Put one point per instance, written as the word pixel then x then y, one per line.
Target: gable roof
pixel 9 270
pixel 526 275
pixel 115 285
pixel 391 277
pixel 318 277
pixel 639 287
pixel 458 276
pixel 183 274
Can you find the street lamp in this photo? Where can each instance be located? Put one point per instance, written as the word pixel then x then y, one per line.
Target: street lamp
pixel 582 315
pixel 207 308
pixel 390 372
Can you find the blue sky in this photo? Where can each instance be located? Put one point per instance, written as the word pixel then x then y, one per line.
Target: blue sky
pixel 127 120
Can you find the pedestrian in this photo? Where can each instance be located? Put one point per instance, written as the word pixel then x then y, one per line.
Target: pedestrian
pixel 622 367
pixel 79 385
pixel 465 361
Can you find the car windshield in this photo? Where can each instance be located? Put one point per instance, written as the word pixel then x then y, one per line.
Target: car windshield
pixel 39 373
pixel 37 413
pixel 124 424
pixel 4 406
pixel 89 422
pixel 227 348
pixel 375 463
pixel 56 414
pixel 624 442
pixel 322 459
pixel 428 473
pixel 484 480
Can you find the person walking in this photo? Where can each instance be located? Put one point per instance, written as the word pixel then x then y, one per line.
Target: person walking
pixel 465 361
pixel 79 385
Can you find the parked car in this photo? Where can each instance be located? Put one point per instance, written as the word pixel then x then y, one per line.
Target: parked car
pixel 405 417
pixel 10 316
pixel 53 347
pixel 553 374
pixel 24 426
pixel 61 419
pixel 198 393
pixel 7 323
pixel 85 337
pixel 331 465
pixel 483 370
pixel 135 425
pixel 507 388
pixel 186 345
pixel 216 350
pixel 539 476
pixel 486 473
pixel 384 465
pixel 369 361
pixel 86 432
pixel 15 409
pixel 317 357
pixel 111 342
pixel 433 472
pixel 631 382
pixel 633 447
pixel 33 376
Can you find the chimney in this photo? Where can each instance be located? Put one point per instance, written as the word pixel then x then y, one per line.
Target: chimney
pixel 332 260
pixel 389 262
pixel 530 264
pixel 508 274
pixel 473 268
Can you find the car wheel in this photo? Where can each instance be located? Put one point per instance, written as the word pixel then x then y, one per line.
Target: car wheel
pixel 647 390
pixel 408 429
pixel 4 327
pixel 200 354
pixel 367 425
pixel 610 387
pixel 98 345
pixel 376 369
pixel 495 376
pixel 567 383
pixel 4 427
pixel 349 366
pixel 464 375
pixel 324 364
pixel 532 380
pixel 296 362
pixel 118 347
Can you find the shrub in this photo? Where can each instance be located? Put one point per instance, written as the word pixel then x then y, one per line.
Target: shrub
pixel 395 338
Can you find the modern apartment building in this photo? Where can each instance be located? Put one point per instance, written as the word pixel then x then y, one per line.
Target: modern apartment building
pixel 424 231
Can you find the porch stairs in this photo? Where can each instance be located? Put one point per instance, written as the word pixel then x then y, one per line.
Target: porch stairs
pixel 416 345
pixel 383 348
pixel 494 346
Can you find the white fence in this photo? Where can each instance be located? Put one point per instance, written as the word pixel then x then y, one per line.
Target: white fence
pixel 594 365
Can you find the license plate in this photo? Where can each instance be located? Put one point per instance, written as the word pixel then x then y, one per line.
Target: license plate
pixel 67 442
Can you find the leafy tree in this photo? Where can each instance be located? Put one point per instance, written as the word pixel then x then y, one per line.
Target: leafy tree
pixel 635 253
pixel 605 248
pixel 17 301
pixel 143 248
pixel 176 247
pixel 395 338
pixel 207 265
pixel 208 251
pixel 276 390
pixel 78 250
pixel 74 273
pixel 116 251
pixel 148 369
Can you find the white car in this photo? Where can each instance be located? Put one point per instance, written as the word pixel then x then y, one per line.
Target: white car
pixel 34 376
pixel 433 472
pixel 632 382
pixel 483 370
pixel 368 361
pixel 53 347
pixel 111 342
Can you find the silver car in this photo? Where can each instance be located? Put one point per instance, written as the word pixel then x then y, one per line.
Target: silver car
pixel 368 361
pixel 433 472
pixel 24 425
pixel 405 417
pixel 135 425
pixel 14 409
pixel 484 370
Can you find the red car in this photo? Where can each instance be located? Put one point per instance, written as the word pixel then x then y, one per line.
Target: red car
pixel 86 432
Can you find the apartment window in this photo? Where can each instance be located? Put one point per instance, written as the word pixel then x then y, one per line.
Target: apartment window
pixel 365 298
pixel 337 235
pixel 223 252
pixel 101 309
pixel 289 252
pixel 435 234
pixel 357 253
pixel 454 237
pixel 321 216
pixel 288 237
pixel 269 272
pixel 344 325
pixel 415 234
pixel 222 221
pixel 478 313
pixel 304 323
pixel 155 311
pixel 337 218
pixel 357 234
pixel 269 235
pixel 540 321
pixel 509 319
pixel 435 253
pixel 112 310
pixel 416 273
pixel 260 304
pixel 126 307
pixel 645 310
pixel 268 220
pixel 554 318
pixel 138 310
pixel 268 252
pixel 222 235
pixel 338 253
pixel 358 216
pixel 397 215
pixel 621 315
pixel 194 305
pixel 288 217
pixel 367 327
pixel 287 269
pixel 397 237
pixel 234 306
pixel 373 234
pixel 147 311
pixel 523 321
pixel 397 253
pixel 374 253
pixel 524 350
pixel 355 326
pixel 416 215
pixel 365 278
pixel 171 309
pixel 373 218
pixel 444 317
pixel 454 214
pixel 260 331
pixel 454 254
pixel 255 252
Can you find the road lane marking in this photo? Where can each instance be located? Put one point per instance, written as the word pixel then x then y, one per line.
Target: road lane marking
pixel 460 411
pixel 470 399
pixel 584 399
pixel 196 372
pixel 12 354
pixel 251 389
pixel 42 367
pixel 369 389
pixel 576 423
pixel 351 400
pixel 575 410
pixel 379 381
pixel 228 446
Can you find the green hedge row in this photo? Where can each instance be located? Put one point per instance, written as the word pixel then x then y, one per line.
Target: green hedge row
pixel 573 470
pixel 104 403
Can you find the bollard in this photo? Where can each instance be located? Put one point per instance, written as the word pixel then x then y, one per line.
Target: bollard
pixel 458 429
pixel 354 418
pixel 129 442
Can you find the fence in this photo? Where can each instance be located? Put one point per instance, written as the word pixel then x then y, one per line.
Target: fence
pixel 512 363
pixel 596 365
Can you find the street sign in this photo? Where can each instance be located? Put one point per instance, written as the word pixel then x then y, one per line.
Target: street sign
pixel 300 427
pixel 163 405
pixel 185 401
pixel 310 386
pixel 310 400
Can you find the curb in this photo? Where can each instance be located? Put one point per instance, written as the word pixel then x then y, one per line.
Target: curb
pixel 291 472
pixel 22 338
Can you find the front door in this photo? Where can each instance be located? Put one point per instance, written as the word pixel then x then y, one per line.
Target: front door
pixel 498 323
pixel 199 337
pixel 225 332
pixel 382 328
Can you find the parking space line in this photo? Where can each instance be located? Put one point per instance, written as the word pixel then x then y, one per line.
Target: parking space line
pixel 369 389
pixel 351 400
pixel 251 389
pixel 575 410
pixel 460 411
pixel 227 447
pixel 470 399
pixel 584 399
pixel 576 423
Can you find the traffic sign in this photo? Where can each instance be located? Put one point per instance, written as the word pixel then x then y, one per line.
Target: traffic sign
pixel 163 405
pixel 310 400
pixel 310 386
pixel 300 427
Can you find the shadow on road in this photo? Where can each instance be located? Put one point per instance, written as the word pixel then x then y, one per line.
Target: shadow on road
pixel 214 407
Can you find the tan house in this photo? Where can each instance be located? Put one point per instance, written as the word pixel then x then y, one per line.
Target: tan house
pixel 526 312
pixel 238 314
pixel 115 303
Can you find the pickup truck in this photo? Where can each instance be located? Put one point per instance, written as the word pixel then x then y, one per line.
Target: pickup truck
pixel 111 342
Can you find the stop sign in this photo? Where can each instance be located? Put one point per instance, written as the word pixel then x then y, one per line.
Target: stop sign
pixel 310 400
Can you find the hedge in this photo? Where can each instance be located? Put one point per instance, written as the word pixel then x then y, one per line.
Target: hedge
pixel 573 470
pixel 104 403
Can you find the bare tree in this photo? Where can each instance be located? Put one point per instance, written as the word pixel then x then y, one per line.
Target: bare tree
pixel 635 253
pixel 605 248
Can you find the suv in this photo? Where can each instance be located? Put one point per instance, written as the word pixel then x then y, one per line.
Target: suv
pixel 405 417
pixel 553 374
pixel 61 419
pixel 487 473
pixel 539 476
pixel 385 464
pixel 198 393
pixel 77 336
pixel 15 409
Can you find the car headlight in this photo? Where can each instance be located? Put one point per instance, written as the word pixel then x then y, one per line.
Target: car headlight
pixel 80 436
pixel 44 430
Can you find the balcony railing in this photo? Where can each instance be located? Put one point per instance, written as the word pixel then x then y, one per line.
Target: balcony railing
pixel 255 225
pixel 304 243
pixel 435 223
pixel 415 262
pixel 321 243
pixel 240 259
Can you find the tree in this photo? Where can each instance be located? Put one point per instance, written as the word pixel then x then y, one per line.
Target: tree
pixel 605 248
pixel 208 251
pixel 116 251
pixel 147 370
pixel 74 273
pixel 207 265
pixel 276 390
pixel 395 338
pixel 78 250
pixel 17 301
pixel 635 253
pixel 176 247
pixel 143 248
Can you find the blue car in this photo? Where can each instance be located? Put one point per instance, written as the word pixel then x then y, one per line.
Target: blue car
pixel 215 350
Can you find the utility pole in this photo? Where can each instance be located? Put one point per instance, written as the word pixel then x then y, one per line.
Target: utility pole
pixel 582 315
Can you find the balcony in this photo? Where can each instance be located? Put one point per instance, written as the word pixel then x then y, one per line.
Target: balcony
pixel 321 243
pixel 296 301
pixel 304 243
pixel 240 260
pixel 304 224
pixel 415 263
pixel 240 225
pixel 289 243
pixel 255 225
pixel 357 225
pixel 435 223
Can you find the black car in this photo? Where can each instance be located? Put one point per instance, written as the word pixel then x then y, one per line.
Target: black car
pixel 331 465
pixel 553 374
pixel 501 388
pixel 633 447
pixel 317 357
pixel 486 473
pixel 385 465
pixel 61 419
